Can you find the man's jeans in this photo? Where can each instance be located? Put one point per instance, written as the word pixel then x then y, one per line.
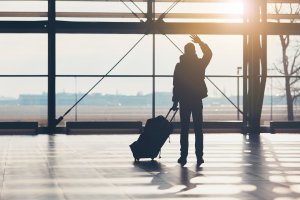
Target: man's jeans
pixel 196 109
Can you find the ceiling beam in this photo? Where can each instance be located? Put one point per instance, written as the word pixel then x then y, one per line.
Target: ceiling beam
pixel 141 28
pixel 141 15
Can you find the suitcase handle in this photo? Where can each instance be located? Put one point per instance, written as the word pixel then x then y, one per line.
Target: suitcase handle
pixel 173 114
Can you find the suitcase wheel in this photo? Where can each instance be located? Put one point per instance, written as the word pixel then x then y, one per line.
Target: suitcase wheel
pixel 136 159
pixel 152 159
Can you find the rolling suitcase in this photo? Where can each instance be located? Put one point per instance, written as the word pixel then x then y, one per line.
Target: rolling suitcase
pixel 156 132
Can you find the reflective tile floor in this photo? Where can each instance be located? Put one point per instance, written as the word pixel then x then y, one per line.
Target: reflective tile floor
pixel 101 167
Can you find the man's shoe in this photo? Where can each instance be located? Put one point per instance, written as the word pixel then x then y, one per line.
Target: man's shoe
pixel 182 161
pixel 199 162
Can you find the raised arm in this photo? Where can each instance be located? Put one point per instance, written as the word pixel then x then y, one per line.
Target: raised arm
pixel 207 53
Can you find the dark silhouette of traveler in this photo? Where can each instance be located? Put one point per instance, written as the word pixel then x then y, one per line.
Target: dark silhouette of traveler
pixel 189 90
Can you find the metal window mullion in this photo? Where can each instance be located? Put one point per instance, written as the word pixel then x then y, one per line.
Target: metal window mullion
pixel 51 65
pixel 154 60
pixel 245 71
pixel 150 21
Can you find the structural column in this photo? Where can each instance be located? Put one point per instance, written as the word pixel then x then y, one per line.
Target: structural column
pixel 256 64
pixel 245 67
pixel 51 66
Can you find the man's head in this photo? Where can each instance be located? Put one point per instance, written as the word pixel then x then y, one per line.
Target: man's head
pixel 189 49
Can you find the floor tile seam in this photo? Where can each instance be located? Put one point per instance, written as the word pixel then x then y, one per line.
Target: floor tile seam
pixel 58 187
pixel 4 171
pixel 2 183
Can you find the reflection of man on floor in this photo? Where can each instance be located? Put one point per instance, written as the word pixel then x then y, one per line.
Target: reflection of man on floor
pixel 189 90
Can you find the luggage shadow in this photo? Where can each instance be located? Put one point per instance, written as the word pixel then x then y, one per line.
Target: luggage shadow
pixel 150 166
pixel 172 180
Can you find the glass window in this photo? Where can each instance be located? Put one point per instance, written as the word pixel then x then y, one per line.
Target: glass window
pixel 97 54
pixel 23 99
pixel 23 54
pixel 114 99
pixel 30 10
pixel 230 11
pixel 224 61
pixel 100 11
pixel 281 79
pixel 283 12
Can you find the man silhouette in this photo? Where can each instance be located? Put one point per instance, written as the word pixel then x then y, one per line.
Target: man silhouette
pixel 189 90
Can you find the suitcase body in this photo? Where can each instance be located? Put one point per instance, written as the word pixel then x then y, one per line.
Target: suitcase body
pixel 156 132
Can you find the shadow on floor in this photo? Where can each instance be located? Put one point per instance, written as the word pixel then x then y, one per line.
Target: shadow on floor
pixel 166 178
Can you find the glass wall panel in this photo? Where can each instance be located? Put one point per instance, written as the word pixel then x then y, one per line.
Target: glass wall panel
pixel 230 11
pixel 23 54
pixel 283 12
pixel 275 102
pixel 282 79
pixel 101 11
pixel 114 99
pixel 23 10
pixel 96 54
pixel 227 53
pixel 23 99
pixel 275 107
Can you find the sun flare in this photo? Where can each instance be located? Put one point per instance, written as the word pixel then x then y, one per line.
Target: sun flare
pixel 235 7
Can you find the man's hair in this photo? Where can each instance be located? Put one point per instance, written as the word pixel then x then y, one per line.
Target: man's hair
pixel 189 48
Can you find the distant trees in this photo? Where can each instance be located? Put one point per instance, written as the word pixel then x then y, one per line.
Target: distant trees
pixel 290 59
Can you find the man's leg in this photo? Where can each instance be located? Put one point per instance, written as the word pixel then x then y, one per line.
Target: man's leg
pixel 198 121
pixel 185 115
